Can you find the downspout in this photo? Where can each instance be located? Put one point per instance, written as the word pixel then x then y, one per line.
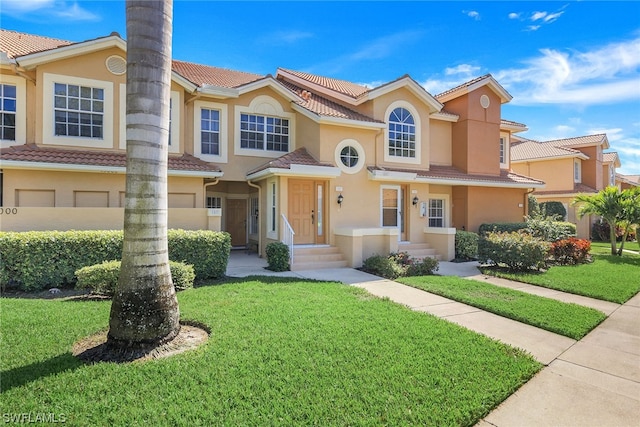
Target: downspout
pixel 251 184
pixel 526 200
pixel 21 72
pixel 205 190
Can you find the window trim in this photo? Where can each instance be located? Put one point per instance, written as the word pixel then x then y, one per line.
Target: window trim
pixel 272 211
pixel 263 105
pixel 197 138
pixel 338 156
pixel 577 171
pixel 48 122
pixel 446 209
pixel 504 164
pixel 21 109
pixel 418 124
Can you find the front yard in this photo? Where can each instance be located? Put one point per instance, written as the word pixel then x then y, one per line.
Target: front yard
pixel 281 352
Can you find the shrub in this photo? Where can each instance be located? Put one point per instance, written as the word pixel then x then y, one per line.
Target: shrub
pixel 399 264
pixel 600 232
pixel 424 267
pixel 555 210
pixel 383 266
pixel 570 251
pixel 277 256
pixel 102 278
pixel 501 227
pixel 519 251
pixel 37 260
pixel 549 230
pixel 466 245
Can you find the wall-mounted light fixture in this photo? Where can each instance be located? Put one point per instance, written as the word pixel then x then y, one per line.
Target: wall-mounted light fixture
pixel 415 200
pixel 340 199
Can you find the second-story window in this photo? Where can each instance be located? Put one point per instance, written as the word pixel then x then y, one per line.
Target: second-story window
pixel 503 159
pixel 210 131
pixel 78 111
pixel 264 132
pixel 402 133
pixel 8 109
pixel 577 171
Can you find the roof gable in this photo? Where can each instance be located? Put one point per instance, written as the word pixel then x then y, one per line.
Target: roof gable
pixel 471 85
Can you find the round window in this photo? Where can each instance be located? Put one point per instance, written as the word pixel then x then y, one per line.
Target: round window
pixel 349 156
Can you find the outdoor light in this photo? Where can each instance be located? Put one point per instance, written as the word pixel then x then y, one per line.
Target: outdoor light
pixel 415 200
pixel 340 199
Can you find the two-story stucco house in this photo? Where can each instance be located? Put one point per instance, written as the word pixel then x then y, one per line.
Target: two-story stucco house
pixel 569 167
pixel 352 169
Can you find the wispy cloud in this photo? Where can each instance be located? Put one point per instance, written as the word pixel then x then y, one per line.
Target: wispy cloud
pixel 601 76
pixel 286 37
pixel 474 14
pixel 514 15
pixel 453 76
pixel 538 18
pixel 34 10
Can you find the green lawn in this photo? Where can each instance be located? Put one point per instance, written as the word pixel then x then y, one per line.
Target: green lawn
pixel 281 352
pixel 608 277
pixel 571 320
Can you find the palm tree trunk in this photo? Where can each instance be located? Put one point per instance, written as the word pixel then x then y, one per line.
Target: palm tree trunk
pixel 612 237
pixel 145 308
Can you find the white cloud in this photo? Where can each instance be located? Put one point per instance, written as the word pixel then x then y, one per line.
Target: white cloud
pixel 25 6
pixel 45 9
pixel 514 15
pixel 454 76
pixel 532 27
pixel 465 69
pixel 564 129
pixel 552 17
pixel 472 14
pixel 286 37
pixel 604 75
pixel 538 15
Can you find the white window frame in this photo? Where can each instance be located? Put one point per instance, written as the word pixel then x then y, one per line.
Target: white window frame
pixel 263 105
pixel 175 127
pixel 504 148
pixel 446 209
pixel 48 122
pixel 338 156
pixel 577 171
pixel 197 138
pixel 416 119
pixel 21 109
pixel 272 211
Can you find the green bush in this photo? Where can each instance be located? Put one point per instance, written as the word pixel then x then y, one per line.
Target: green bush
pixel 102 278
pixel 519 251
pixel 549 230
pixel 501 227
pixel 399 264
pixel 466 245
pixel 38 260
pixel 277 256
pixel 555 210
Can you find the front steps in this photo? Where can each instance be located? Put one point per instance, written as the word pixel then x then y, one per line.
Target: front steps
pixel 419 250
pixel 317 257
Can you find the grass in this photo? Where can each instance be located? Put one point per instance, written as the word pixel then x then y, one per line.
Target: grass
pixel 571 320
pixel 281 352
pixel 608 277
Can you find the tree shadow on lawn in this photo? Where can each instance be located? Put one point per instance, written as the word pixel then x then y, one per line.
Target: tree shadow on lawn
pixel 22 375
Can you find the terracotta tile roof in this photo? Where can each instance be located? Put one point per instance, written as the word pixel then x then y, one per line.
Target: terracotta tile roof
pixel 610 157
pixel 31 153
pixel 324 107
pixel 454 174
pixel 629 179
pixel 577 189
pixel 463 85
pixel 297 157
pixel 579 140
pixel 17 44
pixel 341 86
pixel 511 123
pixel 527 149
pixel 208 75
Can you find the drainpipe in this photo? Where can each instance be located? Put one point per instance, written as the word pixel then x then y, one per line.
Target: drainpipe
pixel 21 72
pixel 526 200
pixel 251 184
pixel 209 184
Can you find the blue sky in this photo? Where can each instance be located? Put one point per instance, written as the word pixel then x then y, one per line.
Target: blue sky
pixel 573 68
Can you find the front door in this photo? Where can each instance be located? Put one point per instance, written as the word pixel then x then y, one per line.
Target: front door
pixel 306 211
pixel 237 221
pixel 392 205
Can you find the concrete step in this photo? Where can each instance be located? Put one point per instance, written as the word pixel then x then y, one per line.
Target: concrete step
pixel 317 257
pixel 419 250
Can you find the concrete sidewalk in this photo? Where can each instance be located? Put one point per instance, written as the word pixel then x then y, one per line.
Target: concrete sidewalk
pixel 591 382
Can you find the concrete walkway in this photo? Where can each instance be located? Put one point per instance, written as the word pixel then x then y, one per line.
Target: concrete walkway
pixel 591 382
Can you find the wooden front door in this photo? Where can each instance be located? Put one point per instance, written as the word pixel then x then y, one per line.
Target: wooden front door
pixel 306 211
pixel 237 221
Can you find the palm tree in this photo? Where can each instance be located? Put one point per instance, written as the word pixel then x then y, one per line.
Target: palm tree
pixel 630 217
pixel 145 308
pixel 606 204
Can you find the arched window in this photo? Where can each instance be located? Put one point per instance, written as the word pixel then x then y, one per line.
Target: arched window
pixel 402 133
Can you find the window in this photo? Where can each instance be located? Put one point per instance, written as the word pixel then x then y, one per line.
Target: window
pixel 79 111
pixel 209 131
pixel 502 151
pixel 264 133
pixel 214 202
pixel 272 218
pixel 8 110
pixel 253 211
pixel 577 171
pixel 436 213
pixel 349 156
pixel 402 133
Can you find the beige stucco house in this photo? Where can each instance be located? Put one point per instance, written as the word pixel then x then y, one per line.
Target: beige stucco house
pixel 310 160
pixel 569 167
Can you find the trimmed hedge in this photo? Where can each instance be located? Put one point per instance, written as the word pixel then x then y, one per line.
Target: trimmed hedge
pixel 399 264
pixel 277 256
pixel 519 251
pixel 501 227
pixel 102 278
pixel 37 260
pixel 466 245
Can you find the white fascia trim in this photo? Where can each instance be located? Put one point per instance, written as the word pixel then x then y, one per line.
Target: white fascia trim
pixel 471 183
pixel 453 118
pixel 317 88
pixel 395 176
pixel 12 164
pixel 5 60
pixel 489 81
pixel 269 82
pixel 189 86
pixel 218 92
pixel 581 156
pixel 513 128
pixel 298 170
pixel 359 232
pixel 33 60
pixel 410 84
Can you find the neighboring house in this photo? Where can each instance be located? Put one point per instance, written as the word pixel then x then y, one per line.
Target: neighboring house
pixel 624 182
pixel 569 167
pixel 360 170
